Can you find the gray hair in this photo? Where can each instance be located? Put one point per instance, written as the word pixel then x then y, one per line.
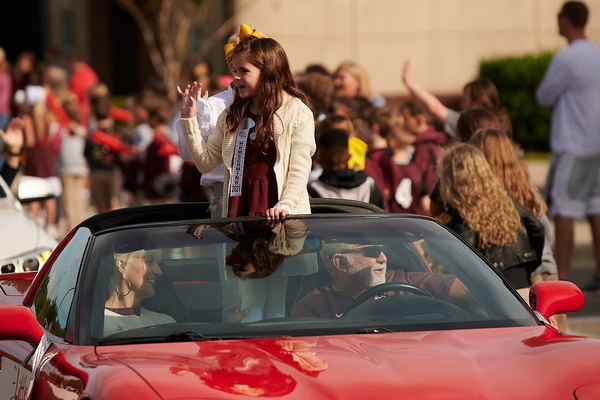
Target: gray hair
pixel 328 250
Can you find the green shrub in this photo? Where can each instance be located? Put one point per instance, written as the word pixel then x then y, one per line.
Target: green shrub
pixel 516 79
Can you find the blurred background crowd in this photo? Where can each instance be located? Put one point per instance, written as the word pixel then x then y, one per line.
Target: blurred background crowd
pixel 112 150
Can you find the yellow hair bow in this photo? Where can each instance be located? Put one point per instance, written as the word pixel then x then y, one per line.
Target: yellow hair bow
pixel 245 31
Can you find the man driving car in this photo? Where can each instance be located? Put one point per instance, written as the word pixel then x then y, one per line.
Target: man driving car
pixel 354 268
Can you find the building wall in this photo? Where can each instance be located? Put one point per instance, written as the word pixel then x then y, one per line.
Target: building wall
pixel 444 39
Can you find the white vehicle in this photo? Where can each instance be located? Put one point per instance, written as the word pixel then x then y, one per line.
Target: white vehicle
pixel 24 244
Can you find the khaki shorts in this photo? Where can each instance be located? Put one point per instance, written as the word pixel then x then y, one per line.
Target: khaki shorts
pixel 102 189
pixel 573 186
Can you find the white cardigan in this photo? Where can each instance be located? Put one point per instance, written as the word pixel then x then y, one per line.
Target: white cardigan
pixel 294 135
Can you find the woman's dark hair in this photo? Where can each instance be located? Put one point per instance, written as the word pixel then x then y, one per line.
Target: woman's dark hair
pixel 255 251
pixel 472 120
pixel 483 93
pixel 319 89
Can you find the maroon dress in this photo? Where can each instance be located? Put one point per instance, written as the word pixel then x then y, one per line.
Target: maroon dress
pixel 259 187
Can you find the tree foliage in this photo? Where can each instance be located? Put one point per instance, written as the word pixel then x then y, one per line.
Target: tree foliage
pixel 516 79
pixel 166 27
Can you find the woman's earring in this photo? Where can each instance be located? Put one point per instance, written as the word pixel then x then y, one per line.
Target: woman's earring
pixel 128 286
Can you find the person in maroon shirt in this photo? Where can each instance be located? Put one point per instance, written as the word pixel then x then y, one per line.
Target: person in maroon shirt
pixel 356 267
pixel 428 144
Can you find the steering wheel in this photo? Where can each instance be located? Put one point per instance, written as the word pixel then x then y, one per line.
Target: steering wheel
pixel 383 288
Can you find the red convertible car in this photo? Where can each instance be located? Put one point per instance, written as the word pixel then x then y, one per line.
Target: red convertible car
pixel 162 302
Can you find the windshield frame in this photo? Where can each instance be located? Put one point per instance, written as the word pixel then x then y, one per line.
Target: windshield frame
pixel 302 326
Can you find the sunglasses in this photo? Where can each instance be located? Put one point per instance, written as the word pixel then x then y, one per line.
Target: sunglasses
pixel 367 251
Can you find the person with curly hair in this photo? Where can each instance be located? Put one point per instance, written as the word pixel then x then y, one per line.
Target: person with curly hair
pixel 482 212
pixel 504 161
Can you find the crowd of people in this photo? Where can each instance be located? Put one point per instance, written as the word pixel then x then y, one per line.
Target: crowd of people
pixel 264 140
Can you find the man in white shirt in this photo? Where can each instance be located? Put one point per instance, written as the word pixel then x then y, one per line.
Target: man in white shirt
pixel 571 86
pixel 209 110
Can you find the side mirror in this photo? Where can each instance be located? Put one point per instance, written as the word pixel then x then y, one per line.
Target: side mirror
pixel 19 323
pixel 555 297
pixel 31 188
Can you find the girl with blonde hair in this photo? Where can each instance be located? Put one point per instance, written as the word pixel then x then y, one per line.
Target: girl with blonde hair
pixel 487 217
pixel 350 80
pixel 500 154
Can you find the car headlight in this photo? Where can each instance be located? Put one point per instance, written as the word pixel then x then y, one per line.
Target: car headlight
pixel 31 261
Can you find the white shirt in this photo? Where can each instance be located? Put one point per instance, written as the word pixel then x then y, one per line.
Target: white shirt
pixel 114 322
pixel 572 86
pixel 207 115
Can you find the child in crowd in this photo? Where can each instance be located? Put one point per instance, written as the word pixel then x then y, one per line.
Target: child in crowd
pixel 319 89
pixel 40 156
pixel 337 180
pixel 468 122
pixel 483 213
pixel 500 153
pixel 480 93
pixel 71 164
pixel 408 190
pixel 104 150
pixel 162 166
pixel 140 136
pixel 357 149
pixel 428 142
pixel 376 126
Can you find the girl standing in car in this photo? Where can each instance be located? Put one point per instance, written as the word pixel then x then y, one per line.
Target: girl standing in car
pixel 265 138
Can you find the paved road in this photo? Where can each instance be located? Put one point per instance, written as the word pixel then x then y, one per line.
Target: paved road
pixel 587 320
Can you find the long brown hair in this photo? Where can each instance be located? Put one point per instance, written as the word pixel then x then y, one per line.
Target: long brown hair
pixel 468 184
pixel 255 251
pixel 483 91
pixel 275 77
pixel 470 121
pixel 500 153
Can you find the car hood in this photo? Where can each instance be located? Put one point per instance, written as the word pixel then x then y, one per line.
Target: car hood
pixel 20 234
pixel 500 363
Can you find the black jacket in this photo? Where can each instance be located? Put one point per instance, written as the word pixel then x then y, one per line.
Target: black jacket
pixel 516 261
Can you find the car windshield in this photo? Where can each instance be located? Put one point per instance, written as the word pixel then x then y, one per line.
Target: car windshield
pixel 309 276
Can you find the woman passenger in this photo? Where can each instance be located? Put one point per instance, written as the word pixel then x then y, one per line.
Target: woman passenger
pixel 133 280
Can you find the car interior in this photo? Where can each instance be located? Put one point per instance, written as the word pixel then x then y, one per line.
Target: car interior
pixel 191 287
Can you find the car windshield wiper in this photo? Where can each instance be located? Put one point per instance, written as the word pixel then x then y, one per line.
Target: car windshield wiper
pixel 375 330
pixel 187 336
pixel 183 336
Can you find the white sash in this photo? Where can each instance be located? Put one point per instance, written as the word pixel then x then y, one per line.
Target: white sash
pixel 239 155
